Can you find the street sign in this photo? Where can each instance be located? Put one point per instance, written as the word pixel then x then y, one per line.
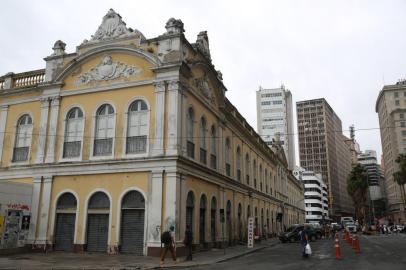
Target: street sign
pixel 250 232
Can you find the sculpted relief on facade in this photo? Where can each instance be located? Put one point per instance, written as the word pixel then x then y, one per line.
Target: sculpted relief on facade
pixel 108 70
pixel 202 84
pixel 113 27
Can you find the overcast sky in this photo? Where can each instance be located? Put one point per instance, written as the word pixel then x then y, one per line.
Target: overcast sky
pixel 344 51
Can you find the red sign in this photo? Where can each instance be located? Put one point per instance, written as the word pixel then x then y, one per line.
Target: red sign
pixel 18 206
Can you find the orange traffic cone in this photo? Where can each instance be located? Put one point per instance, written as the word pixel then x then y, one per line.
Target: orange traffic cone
pixel 357 245
pixel 338 250
pixel 353 242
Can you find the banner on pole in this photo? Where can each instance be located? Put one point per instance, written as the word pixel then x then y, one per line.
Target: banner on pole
pixel 250 232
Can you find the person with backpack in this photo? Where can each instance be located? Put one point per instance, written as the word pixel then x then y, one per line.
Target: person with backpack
pixel 188 241
pixel 168 240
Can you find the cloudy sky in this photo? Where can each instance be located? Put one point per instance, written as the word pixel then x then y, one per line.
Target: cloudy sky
pixel 343 50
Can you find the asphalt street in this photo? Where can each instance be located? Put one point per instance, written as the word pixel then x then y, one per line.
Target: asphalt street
pixel 377 252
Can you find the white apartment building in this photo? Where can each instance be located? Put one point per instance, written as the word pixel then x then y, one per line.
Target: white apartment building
pixel 368 159
pixel 316 195
pixel 275 116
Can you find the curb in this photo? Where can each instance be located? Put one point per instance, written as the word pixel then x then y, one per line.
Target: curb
pixel 220 260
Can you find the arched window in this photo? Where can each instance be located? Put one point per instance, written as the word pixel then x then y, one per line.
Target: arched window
pixel 190 144
pixel 104 131
pixel 213 145
pixel 266 181
pixel 23 139
pixel 238 164
pixel 260 177
pixel 72 147
pixel 203 140
pixel 254 168
pixel 66 201
pixel 228 157
pixel 247 169
pixel 137 128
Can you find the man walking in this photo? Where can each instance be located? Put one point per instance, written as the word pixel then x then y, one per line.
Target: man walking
pixel 188 241
pixel 168 239
pixel 304 238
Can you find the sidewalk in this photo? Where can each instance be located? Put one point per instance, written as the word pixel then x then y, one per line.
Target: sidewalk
pixel 217 255
pixel 65 260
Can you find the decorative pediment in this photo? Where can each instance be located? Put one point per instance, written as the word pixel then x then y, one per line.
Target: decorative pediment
pixel 202 84
pixel 113 27
pixel 108 70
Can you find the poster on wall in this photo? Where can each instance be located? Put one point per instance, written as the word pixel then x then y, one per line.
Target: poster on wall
pixel 1 224
pixel 25 224
pixel 250 232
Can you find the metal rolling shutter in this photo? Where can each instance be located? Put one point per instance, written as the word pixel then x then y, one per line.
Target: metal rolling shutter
pixel 97 232
pixel 132 231
pixel 64 231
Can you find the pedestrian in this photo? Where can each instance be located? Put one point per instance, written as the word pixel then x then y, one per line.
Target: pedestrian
pixel 168 239
pixel 304 240
pixel 188 241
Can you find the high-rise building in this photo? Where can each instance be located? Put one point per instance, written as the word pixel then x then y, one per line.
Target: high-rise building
pixel 323 149
pixel 275 116
pixel 316 195
pixel 391 109
pixel 368 159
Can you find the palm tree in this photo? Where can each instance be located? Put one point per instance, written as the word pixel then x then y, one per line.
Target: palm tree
pixel 357 188
pixel 400 176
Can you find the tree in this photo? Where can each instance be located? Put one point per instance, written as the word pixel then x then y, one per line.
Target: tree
pixel 357 187
pixel 400 176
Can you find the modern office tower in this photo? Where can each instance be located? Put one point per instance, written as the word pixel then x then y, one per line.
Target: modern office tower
pixel 323 149
pixel 275 115
pixel 316 195
pixel 376 181
pixel 391 109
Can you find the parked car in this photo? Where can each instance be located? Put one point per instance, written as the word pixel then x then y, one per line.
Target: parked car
pixel 292 234
pixel 318 229
pixel 351 227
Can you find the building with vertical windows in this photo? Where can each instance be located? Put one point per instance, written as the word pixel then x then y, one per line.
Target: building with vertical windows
pixel 130 135
pixel 323 149
pixel 391 109
pixel 275 116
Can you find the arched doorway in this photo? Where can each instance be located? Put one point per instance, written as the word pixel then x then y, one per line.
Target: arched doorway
pixel 262 223
pixel 228 218
pixel 132 223
pixel 190 206
pixel 65 222
pixel 239 211
pixel 202 219
pixel 267 223
pixel 98 222
pixel 213 220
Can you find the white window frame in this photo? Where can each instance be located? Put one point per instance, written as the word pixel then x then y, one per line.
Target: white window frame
pixel 61 144
pixel 13 163
pixel 125 131
pixel 94 117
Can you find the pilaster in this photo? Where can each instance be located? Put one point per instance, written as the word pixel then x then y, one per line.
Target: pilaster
pixel 171 196
pixel 43 130
pixel 36 193
pixel 45 206
pixel 174 115
pixel 155 209
pixel 3 122
pixel 53 125
pixel 222 149
pixel 158 145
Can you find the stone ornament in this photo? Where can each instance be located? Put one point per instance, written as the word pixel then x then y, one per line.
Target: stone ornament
pixel 108 70
pixel 113 27
pixel 202 84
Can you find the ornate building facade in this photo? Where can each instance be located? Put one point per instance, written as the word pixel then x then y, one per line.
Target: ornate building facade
pixel 128 136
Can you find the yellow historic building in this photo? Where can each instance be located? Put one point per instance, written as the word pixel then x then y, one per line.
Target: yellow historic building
pixel 127 136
